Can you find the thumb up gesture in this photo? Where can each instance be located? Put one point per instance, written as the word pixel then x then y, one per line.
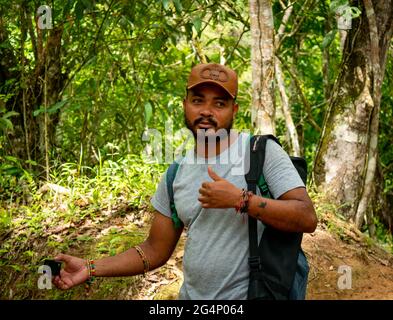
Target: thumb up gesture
pixel 219 193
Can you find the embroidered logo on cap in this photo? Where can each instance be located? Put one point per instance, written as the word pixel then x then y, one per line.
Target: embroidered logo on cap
pixel 214 74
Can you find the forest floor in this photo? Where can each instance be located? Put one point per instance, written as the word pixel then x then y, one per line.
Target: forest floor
pixel 335 243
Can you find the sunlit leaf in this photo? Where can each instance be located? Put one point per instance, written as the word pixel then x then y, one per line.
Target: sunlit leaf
pixel 178 6
pixel 328 39
pixel 148 112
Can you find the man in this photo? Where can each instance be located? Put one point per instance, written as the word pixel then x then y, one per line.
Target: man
pixel 207 190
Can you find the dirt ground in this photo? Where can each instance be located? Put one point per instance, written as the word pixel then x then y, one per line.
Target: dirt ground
pixel 370 267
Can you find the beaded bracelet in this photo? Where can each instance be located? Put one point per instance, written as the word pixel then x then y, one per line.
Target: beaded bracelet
pixel 244 202
pixel 241 202
pixel 146 264
pixel 248 196
pixel 92 273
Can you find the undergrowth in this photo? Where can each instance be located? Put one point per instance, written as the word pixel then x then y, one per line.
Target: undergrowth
pixel 329 215
pixel 84 211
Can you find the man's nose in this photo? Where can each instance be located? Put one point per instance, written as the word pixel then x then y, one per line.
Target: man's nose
pixel 206 111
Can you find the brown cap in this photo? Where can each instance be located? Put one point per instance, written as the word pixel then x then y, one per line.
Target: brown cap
pixel 214 73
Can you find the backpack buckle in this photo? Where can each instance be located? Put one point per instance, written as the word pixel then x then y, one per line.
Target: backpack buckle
pixel 255 263
pixel 254 147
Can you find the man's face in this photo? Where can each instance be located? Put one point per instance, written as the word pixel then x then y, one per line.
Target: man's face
pixel 209 107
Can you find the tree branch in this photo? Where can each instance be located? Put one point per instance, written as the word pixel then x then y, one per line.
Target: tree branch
pixel 299 21
pixel 303 97
pixel 281 29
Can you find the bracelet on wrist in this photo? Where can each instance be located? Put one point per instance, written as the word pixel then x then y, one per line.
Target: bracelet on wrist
pixel 91 268
pixel 245 197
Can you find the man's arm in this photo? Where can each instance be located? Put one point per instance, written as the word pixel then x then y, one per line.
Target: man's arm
pixel 293 211
pixel 158 248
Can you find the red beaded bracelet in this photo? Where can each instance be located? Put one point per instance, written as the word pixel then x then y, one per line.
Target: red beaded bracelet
pixel 245 197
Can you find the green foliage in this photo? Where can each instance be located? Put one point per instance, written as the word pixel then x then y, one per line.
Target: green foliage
pixel 386 123
pixel 78 195
pixel 381 235
pixel 5 122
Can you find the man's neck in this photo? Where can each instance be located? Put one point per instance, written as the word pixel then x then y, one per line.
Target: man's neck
pixel 211 147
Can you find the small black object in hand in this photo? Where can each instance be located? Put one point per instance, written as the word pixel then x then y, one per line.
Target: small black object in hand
pixel 55 266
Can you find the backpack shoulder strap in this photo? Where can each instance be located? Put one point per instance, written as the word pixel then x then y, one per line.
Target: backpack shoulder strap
pixel 256 156
pixel 170 177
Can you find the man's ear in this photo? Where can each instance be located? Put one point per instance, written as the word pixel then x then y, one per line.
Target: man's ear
pixel 184 103
pixel 235 109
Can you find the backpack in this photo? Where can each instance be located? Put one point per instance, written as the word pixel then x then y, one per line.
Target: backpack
pixel 278 266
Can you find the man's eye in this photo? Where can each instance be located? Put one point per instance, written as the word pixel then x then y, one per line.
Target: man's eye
pixel 196 100
pixel 220 104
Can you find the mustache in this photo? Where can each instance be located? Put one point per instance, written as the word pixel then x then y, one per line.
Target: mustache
pixel 210 120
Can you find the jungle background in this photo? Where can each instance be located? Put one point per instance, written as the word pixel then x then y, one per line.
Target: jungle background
pixel 84 82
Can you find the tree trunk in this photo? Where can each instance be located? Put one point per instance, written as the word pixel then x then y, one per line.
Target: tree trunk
pixel 345 163
pixel 262 62
pixel 33 136
pixel 293 137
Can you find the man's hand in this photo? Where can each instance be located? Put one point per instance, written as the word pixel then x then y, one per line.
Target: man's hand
pixel 218 194
pixel 75 272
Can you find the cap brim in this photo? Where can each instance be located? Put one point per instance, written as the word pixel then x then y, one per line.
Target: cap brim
pixel 214 82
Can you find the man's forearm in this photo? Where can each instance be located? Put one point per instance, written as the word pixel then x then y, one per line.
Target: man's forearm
pixel 128 263
pixel 285 215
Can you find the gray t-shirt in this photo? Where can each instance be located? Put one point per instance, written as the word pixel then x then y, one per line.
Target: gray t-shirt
pixel 215 262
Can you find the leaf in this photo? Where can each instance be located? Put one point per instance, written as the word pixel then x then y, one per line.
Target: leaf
pixel 10 114
pixel 57 106
pixel 156 76
pixel 178 6
pixel 32 162
pixel 356 12
pixel 335 4
pixel 148 112
pixel 6 124
pixel 197 24
pixel 52 109
pixel 16 267
pixel 328 39
pixel 38 111
pixel 79 8
pixel 12 159
pixel 29 253
pixel 166 3
pixel 157 43
pixel 210 41
pixel 12 171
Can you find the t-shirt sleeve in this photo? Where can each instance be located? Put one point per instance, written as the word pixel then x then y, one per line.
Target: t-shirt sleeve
pixel 160 199
pixel 279 171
